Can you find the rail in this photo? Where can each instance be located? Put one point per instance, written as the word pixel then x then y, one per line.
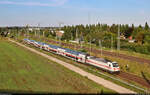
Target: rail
pixel 126 83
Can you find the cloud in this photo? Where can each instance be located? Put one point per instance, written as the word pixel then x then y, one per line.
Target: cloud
pixel 52 3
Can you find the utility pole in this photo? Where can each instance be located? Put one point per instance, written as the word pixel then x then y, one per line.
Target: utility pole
pixel 76 37
pixel 111 43
pixel 76 33
pixel 90 47
pixel 28 32
pixel 71 37
pixel 89 18
pixel 89 21
pixel 43 33
pixel 35 32
pixel 81 39
pixel 38 29
pixel 18 33
pixel 100 45
pixel 118 43
pixel 60 30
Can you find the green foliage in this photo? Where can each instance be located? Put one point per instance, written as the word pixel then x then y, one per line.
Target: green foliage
pixel 93 33
pixel 147 37
pixel 136 47
pixel 83 50
pixel 140 37
pixel 146 26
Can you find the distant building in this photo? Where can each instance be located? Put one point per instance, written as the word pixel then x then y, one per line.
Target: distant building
pixel 59 33
pixel 131 40
pixel 33 28
pixel 73 41
pixel 122 37
pixel 78 40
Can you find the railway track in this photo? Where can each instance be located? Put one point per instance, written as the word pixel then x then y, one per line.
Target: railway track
pixel 131 77
pixel 107 53
pixel 127 76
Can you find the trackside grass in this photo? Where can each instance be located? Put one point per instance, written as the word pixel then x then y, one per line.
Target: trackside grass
pixel 21 70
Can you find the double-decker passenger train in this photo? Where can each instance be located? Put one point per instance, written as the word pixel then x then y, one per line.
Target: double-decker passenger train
pixel 77 56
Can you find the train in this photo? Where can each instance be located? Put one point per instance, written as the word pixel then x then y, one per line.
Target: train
pixel 82 57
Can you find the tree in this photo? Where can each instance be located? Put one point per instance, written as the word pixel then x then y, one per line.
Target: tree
pixel 140 37
pixel 147 38
pixel 140 26
pixel 133 26
pixel 146 26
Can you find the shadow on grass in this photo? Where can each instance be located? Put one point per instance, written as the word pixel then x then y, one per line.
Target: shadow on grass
pixel 9 92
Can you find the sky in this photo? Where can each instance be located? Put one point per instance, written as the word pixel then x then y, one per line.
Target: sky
pixel 73 12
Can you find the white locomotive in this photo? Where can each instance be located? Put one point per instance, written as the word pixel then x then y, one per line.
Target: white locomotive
pixel 77 56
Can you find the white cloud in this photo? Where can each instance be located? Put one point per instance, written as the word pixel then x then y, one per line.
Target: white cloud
pixel 52 3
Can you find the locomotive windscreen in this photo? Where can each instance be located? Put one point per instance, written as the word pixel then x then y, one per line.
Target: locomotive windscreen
pixel 115 65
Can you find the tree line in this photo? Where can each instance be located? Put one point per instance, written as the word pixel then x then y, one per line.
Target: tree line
pixel 95 32
pixel 108 35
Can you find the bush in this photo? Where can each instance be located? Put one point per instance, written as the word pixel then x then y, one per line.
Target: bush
pixel 144 49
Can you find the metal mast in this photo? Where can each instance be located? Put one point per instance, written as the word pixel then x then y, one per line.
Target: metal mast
pixel 118 43
pixel 89 21
pixel 90 46
pixel 76 37
pixel 60 30
pixel 111 43
pixel 100 45
pixel 39 30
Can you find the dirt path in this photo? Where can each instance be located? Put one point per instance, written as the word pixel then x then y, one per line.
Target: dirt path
pixel 90 76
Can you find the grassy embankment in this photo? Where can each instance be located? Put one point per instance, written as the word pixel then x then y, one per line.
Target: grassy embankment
pixel 21 70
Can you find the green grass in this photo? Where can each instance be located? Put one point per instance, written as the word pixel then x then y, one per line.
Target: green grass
pixel 25 71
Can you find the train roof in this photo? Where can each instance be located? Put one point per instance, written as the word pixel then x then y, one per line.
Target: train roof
pixel 53 46
pixel 73 52
pixel 25 39
pixel 40 43
pixel 100 59
pixel 32 40
pixel 43 43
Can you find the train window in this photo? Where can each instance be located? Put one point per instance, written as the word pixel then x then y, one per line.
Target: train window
pixel 109 65
pixel 115 65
